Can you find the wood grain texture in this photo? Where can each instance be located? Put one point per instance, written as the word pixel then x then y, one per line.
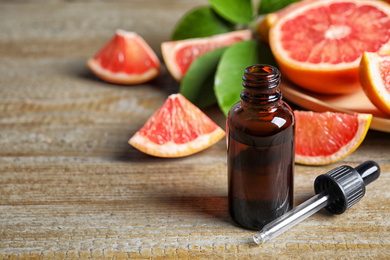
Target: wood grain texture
pixel 71 186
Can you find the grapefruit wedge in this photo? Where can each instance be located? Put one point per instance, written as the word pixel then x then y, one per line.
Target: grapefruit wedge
pixel 177 129
pixel 126 59
pixel 374 72
pixel 324 138
pixel 318 44
pixel 178 55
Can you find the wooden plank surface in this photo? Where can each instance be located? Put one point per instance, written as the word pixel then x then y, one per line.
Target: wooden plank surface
pixel 71 186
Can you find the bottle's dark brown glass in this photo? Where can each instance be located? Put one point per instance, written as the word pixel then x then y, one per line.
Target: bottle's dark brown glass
pixel 260 150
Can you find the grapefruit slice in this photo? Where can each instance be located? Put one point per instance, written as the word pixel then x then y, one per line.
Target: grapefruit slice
pixel 177 129
pixel 126 59
pixel 323 138
pixel 178 55
pixel 374 72
pixel 318 45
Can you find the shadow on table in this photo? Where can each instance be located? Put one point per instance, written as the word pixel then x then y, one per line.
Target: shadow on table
pixel 132 155
pixel 164 81
pixel 213 206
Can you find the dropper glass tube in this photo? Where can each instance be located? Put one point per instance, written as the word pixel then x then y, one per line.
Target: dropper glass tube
pixel 293 217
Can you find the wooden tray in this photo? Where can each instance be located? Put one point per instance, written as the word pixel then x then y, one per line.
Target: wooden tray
pixel 356 102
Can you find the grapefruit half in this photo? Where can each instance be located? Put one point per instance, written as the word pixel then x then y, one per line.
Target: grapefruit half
pixel 374 72
pixel 177 129
pixel 126 59
pixel 323 138
pixel 318 45
pixel 264 26
pixel 178 55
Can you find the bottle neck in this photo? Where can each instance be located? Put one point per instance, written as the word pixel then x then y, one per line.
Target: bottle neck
pixel 261 86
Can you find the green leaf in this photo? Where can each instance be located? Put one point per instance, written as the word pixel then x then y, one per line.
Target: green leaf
pixel 197 84
pixel 201 22
pixel 228 78
pixel 236 11
pixel 270 6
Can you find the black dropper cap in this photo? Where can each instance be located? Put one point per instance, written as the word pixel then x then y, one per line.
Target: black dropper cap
pixel 346 185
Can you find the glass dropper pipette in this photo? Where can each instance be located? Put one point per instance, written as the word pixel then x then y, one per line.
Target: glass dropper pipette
pixel 337 191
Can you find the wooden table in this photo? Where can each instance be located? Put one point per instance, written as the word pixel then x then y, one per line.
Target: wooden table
pixel 72 187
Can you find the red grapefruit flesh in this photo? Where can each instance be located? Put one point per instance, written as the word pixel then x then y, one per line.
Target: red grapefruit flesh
pixel 177 129
pixel 323 138
pixel 178 55
pixel 318 45
pixel 126 59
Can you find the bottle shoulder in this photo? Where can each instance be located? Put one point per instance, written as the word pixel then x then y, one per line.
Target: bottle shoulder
pixel 261 122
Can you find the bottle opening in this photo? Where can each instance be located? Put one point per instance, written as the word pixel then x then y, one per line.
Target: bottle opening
pixel 262 70
pixel 260 76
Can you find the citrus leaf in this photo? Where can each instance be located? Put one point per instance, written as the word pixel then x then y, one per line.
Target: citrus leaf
pixel 236 11
pixel 228 78
pixel 201 22
pixel 270 6
pixel 197 84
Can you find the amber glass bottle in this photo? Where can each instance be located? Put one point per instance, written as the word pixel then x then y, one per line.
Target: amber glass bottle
pixel 260 150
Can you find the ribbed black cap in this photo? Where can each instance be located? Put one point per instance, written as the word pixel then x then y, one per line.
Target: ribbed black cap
pixel 344 184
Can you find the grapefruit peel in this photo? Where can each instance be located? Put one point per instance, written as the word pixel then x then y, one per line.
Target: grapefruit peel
pixel 117 62
pixel 373 80
pixel 301 138
pixel 179 129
